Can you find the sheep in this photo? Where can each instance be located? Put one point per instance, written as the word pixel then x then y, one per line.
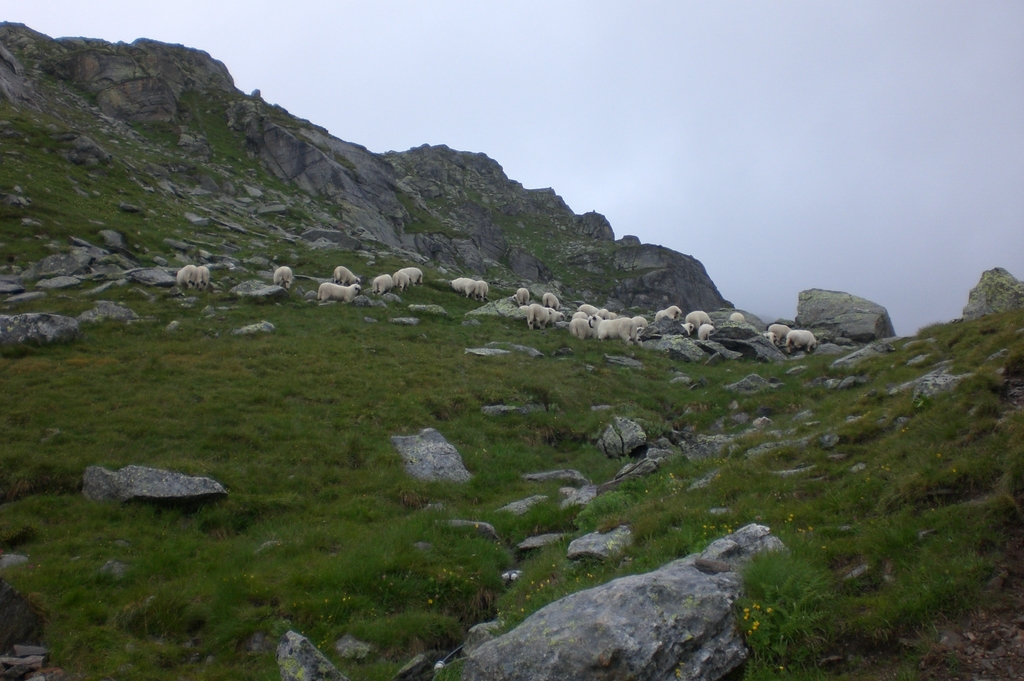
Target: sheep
pixel 698 318
pixel 201 278
pixel 283 276
pixel 580 326
pixel 459 285
pixel 623 328
pixel 522 296
pixel 382 284
pixel 780 331
pixel 401 280
pixel 330 291
pixel 186 276
pixel 688 328
pixel 737 317
pixel 344 276
pixel 580 315
pixel 772 338
pixel 477 290
pixel 672 312
pixel 641 322
pixel 538 316
pixel 800 338
pixel 415 275
pixel 705 331
pixel 550 300
pixel 605 314
pixel 589 309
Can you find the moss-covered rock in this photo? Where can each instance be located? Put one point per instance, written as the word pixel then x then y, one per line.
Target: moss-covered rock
pixel 998 291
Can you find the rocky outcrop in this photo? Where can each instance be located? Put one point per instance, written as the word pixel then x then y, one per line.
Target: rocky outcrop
pixel 842 314
pixel 675 622
pixel 664 278
pixel 998 291
pixel 13 86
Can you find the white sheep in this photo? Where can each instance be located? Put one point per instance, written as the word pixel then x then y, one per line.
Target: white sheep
pixel 478 290
pixel 401 280
pixel 382 284
pixel 688 328
pixel 621 327
pixel 201 279
pixel 538 316
pixel 737 317
pixel 580 326
pixel 344 276
pixel 186 276
pixel 780 331
pixel 283 276
pixel 698 318
pixel 459 285
pixel 550 300
pixel 331 291
pixel 522 296
pixel 800 338
pixel 580 314
pixel 605 314
pixel 672 312
pixel 705 331
pixel 589 309
pixel 772 338
pixel 415 275
pixel 640 321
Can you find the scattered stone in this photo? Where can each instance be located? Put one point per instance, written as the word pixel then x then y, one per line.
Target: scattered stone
pixel 682 378
pixel 876 349
pixel 391 298
pixel 299 660
pixel 114 568
pixel 796 370
pixel 704 480
pixel 619 360
pixel 751 385
pixel 525 349
pixel 113 240
pixel 567 475
pixel 197 220
pixel 828 440
pixel 429 309
pixel 761 422
pixel 522 506
pixel 485 530
pixel 937 382
pixel 505 409
pixel 108 310
pixel 539 541
pixel 793 471
pixel 260 327
pixel 677 347
pixel 487 352
pixel 9 560
pixel 856 572
pixel 502 307
pixel 173 326
pixel 152 276
pixel 258 644
pixel 918 359
pixel 258 290
pixel 697 447
pixel 621 438
pixel 419 668
pixel 348 647
pixel 57 283
pixel 720 510
pixel 37 328
pixel 601 546
pixel 11 285
pixel 140 483
pixel 767 447
pixel 579 497
pixel 429 456
pixel 858 467
pixel 18 621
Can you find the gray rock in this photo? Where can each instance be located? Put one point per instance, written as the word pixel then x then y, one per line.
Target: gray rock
pixel 621 438
pixel 37 328
pixel 485 530
pixel 768 447
pixel 790 472
pixel 505 409
pixel 580 497
pixel 523 505
pixel 830 349
pixel 419 668
pixel 25 297
pixel 539 541
pixel 828 440
pixel 674 622
pixel 299 660
pixel 260 327
pixel 479 635
pixel 113 240
pixel 429 309
pixel 405 321
pixel 525 349
pixel 937 382
pixel 57 283
pixel 348 647
pixel 11 284
pixel 842 314
pixel 140 483
pixel 751 385
pixel 336 237
pixel 428 456
pixel 391 298
pixel 197 220
pixel 366 301
pixel 107 310
pixel 18 621
pixel 114 568
pixel 715 348
pixel 735 331
pixel 619 360
pixel 152 276
pixel 997 291
pixel 258 290
pixel 678 347
pixel 756 347
pixel 60 265
pixel 600 546
pixel 487 352
pixel 697 447
pixel 566 475
pixel 8 560
pixel 876 349
pixel 502 307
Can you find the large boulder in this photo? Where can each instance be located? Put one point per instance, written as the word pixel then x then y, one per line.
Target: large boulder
pixel 674 622
pixel 37 327
pixel 998 291
pixel 842 314
pixel 429 456
pixel 664 277
pixel 141 483
pixel 622 437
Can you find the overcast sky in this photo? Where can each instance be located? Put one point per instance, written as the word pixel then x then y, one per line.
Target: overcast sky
pixel 869 147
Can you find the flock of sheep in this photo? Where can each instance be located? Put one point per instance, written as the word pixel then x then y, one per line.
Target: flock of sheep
pixel 587 322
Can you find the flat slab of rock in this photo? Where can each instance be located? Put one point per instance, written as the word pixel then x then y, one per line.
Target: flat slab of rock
pixel 429 309
pixel 405 321
pixel 539 541
pixel 697 447
pixel 348 647
pixel 25 297
pixel 18 622
pixel 678 347
pixel 260 327
pixel 619 360
pixel 751 385
pixel 876 349
pixel 107 310
pixel 505 409
pixel 933 383
pixel 525 349
pixel 11 285
pixel 141 483
pixel 997 291
pixel 56 283
pixel 523 505
pixel 429 456
pixel 12 560
pixel 299 660
pixel 580 497
pixel 39 327
pixel 153 276
pixel 260 290
pixel 485 530
pixel 487 352
pixel 503 307
pixel 600 546
pixel 573 477
pixel 674 622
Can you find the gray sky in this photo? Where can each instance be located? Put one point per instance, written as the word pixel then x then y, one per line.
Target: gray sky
pixel 869 147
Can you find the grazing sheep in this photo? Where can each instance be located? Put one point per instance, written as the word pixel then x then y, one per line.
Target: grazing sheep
pixel 415 275
pixel 580 315
pixel 698 318
pixel 382 284
pixel 283 276
pixel 672 312
pixel 459 285
pixel 589 309
pixel 202 277
pixel 688 328
pixel 605 314
pixel 737 317
pixel 705 331
pixel 621 327
pixel 344 276
pixel 186 276
pixel 580 327
pixel 401 280
pixel 538 316
pixel 641 322
pixel 478 290
pixel 345 294
pixel 800 338
pixel 550 300
pixel 772 338
pixel 522 296
pixel 780 331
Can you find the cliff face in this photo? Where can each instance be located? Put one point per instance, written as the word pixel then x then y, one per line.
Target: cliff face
pixel 455 208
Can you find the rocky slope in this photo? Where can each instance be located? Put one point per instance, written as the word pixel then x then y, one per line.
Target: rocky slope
pixel 172 118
